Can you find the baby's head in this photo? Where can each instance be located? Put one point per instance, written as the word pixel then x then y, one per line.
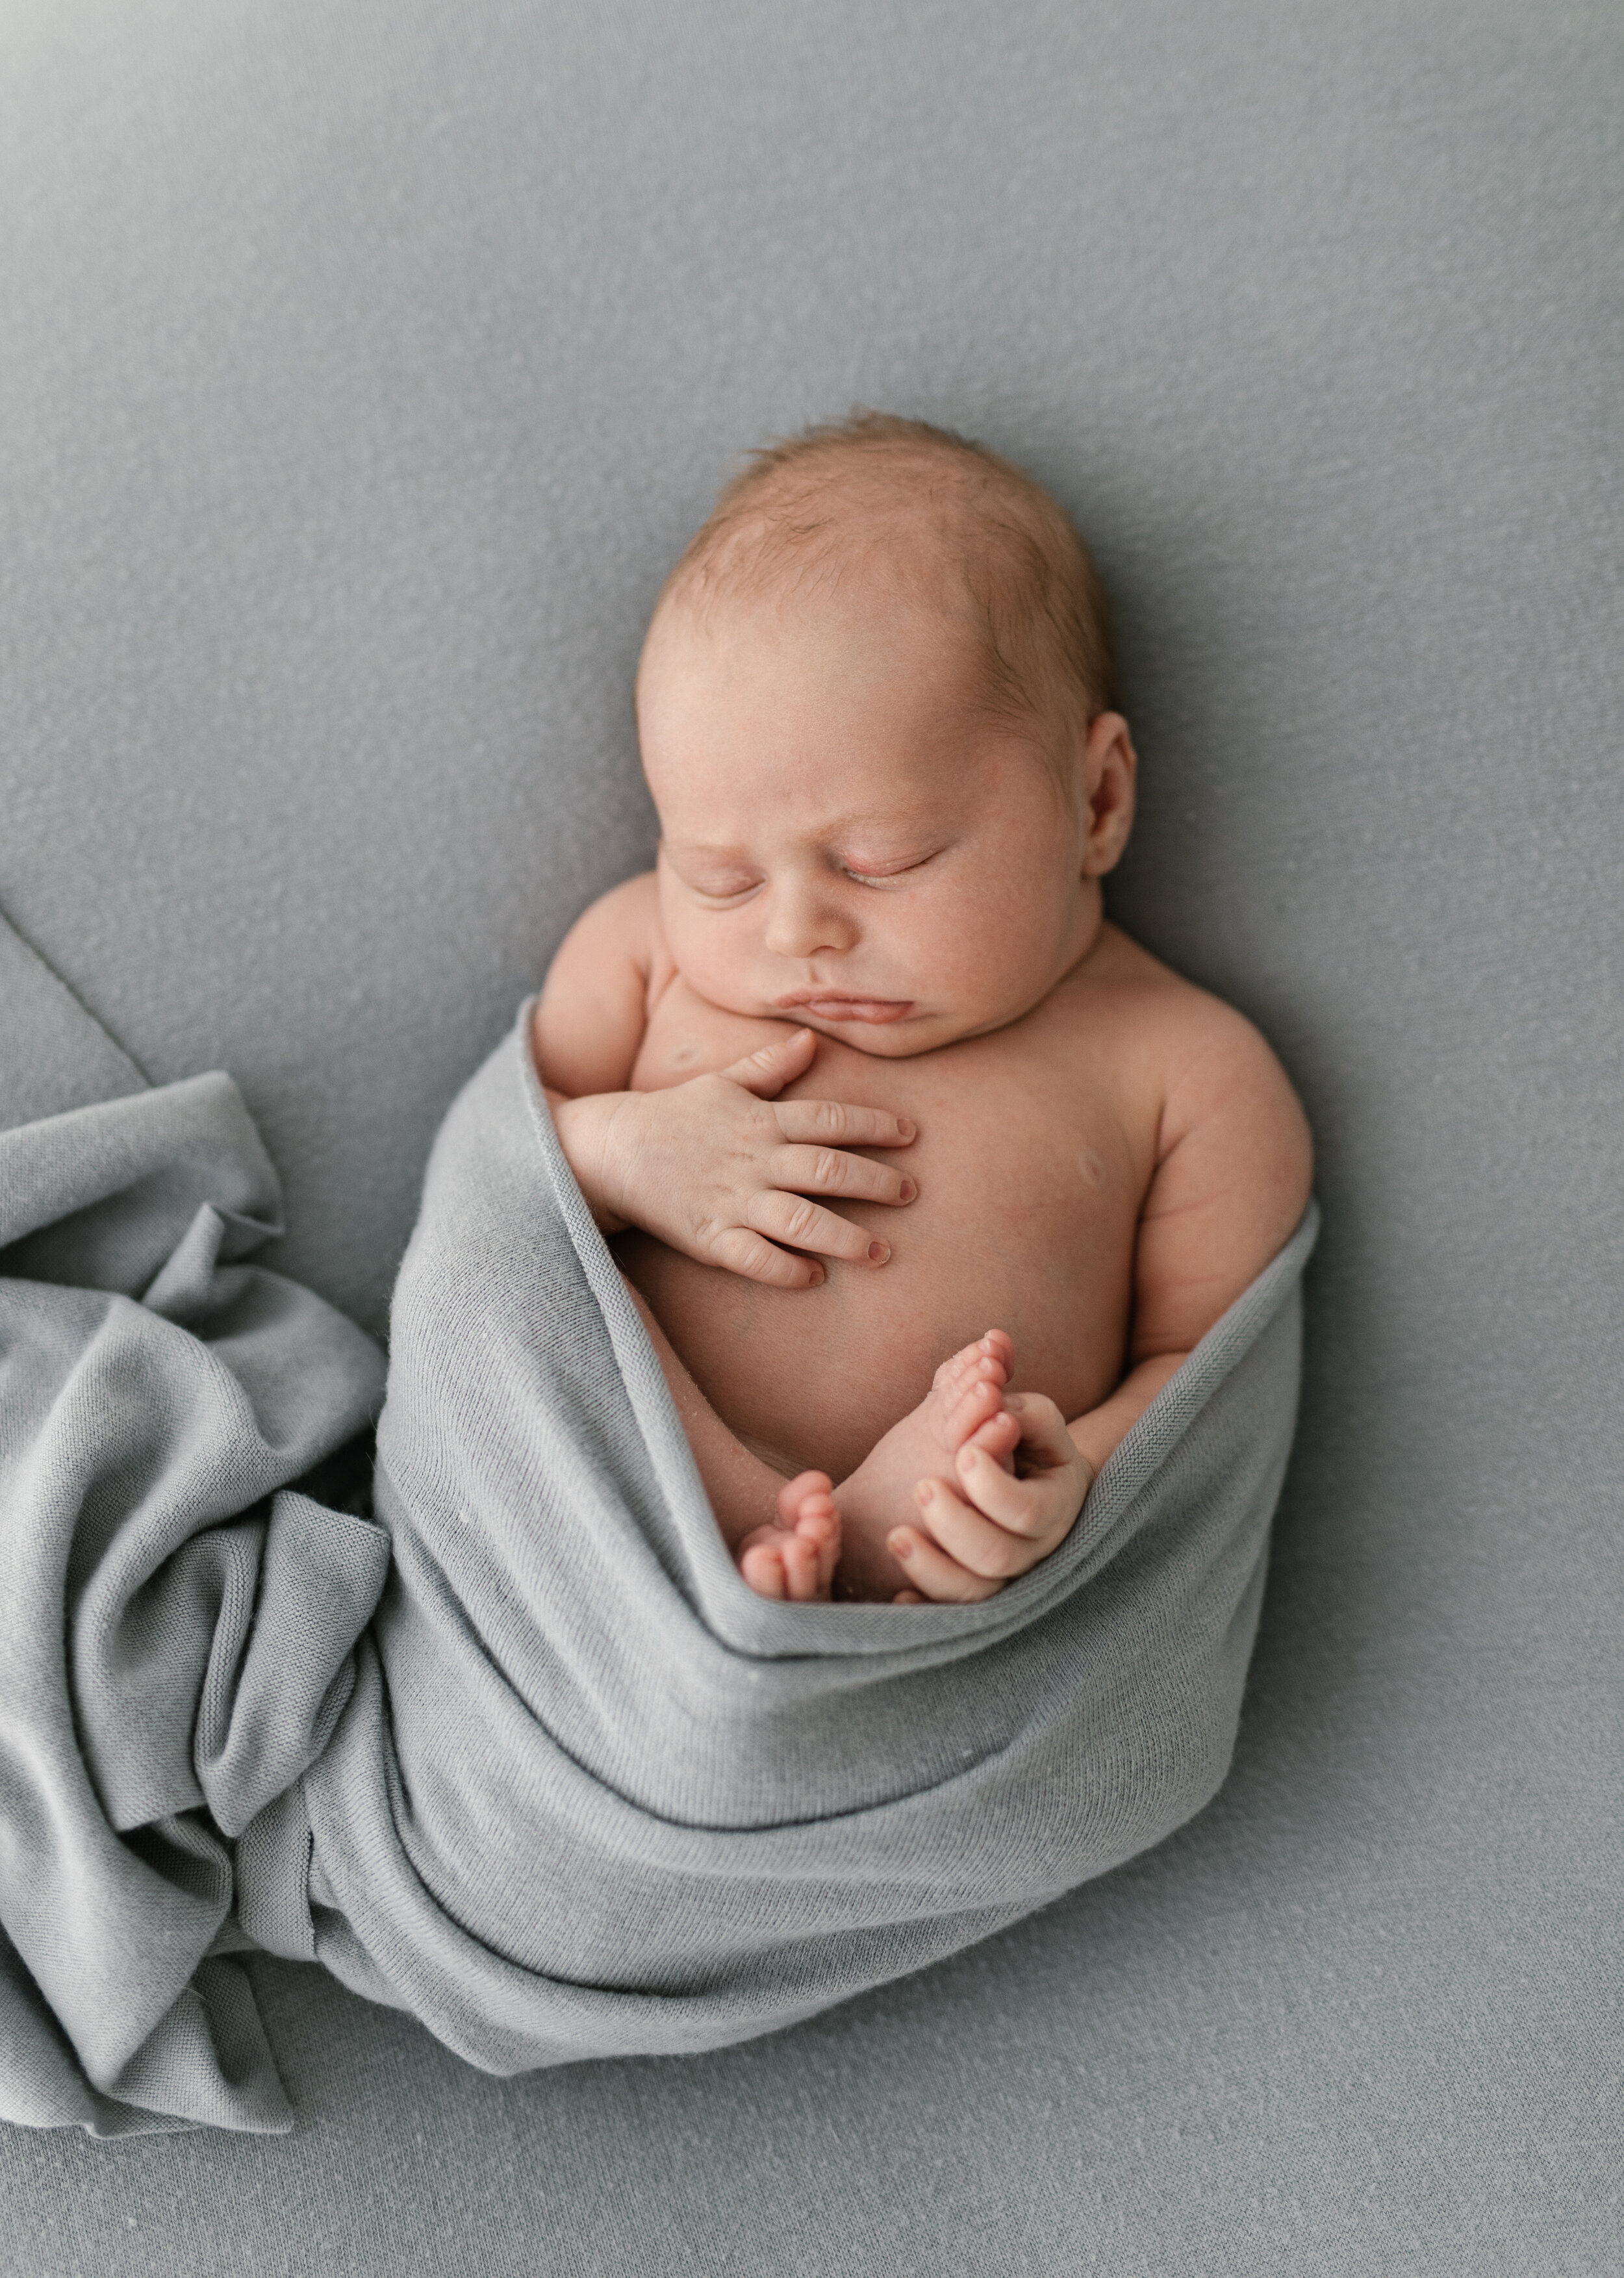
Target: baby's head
pixel 877 712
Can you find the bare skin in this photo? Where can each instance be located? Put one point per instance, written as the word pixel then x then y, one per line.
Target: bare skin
pixel 861 1066
pixel 794 1553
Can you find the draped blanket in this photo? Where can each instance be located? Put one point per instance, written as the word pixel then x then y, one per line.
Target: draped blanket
pixel 512 1748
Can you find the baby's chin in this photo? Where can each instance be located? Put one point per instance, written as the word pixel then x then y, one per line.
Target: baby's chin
pixel 897 1037
pixel 887 1029
pixel 900 1041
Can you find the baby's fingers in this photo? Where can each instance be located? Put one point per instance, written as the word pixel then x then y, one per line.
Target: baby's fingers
pixel 985 1549
pixel 1045 1441
pixel 826 1171
pixel 1038 1510
pixel 933 1574
pixel 831 1123
pixel 806 1226
pixel 738 1250
pixel 775 1064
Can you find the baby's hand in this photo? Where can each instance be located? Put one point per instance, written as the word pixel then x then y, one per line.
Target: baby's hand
pixel 721 1170
pixel 973 1537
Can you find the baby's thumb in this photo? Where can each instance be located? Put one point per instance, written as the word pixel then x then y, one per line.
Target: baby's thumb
pixel 768 1071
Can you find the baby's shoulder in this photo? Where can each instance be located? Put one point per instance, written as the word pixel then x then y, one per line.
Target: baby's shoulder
pixel 1120 992
pixel 593 1003
pixel 1230 1157
pixel 618 940
pixel 626 919
pixel 1197 1056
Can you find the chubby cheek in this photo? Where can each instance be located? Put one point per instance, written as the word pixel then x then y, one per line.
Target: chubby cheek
pixel 720 955
pixel 979 960
pixel 974 958
pixel 964 956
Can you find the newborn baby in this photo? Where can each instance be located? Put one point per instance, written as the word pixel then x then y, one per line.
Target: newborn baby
pixel 860 1066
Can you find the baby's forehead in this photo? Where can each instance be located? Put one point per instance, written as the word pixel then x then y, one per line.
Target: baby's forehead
pixel 852 535
pixel 734 797
pixel 844 632
pixel 830 711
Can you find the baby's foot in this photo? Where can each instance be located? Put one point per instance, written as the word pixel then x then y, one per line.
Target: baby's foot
pixel 794 1555
pixel 965 1402
pixel 967 1398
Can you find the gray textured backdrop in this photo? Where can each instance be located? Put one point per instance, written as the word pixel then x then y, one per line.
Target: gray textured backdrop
pixel 362 369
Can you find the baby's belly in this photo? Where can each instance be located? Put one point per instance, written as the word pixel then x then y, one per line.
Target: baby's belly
pixel 1025 1221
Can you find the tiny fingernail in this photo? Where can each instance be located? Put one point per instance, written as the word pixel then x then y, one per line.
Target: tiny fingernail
pixel 878 1252
pixel 817 1275
pixel 899 1545
pixel 923 1492
pixel 908 1190
pixel 906 1130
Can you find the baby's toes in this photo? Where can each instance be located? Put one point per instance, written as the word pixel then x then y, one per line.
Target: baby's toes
pixel 999 1436
pixel 978 1402
pixel 954 1372
pixel 795 1558
pixel 980 1364
pixel 805 1496
pixel 762 1565
pixel 819 1525
pixel 803 1567
pixel 827 1539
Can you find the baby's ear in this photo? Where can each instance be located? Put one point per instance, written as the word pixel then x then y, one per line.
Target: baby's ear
pixel 1109 765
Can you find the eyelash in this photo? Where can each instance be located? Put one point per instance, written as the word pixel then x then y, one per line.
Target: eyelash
pixel 860 878
pixel 885 877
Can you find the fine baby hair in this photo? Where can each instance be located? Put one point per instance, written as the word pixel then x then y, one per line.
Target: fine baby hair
pixel 949 520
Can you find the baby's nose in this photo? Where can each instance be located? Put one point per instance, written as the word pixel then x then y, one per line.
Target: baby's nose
pixel 801 922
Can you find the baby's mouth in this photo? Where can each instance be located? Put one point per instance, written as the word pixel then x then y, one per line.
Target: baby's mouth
pixel 836 1008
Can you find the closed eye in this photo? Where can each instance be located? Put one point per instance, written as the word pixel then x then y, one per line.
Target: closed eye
pixel 726 898
pixel 890 872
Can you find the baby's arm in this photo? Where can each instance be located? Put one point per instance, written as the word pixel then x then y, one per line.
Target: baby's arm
pixel 717 1167
pixel 1234 1165
pixel 594 1006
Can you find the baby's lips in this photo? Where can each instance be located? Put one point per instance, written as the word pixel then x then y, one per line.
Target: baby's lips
pixel 846 1011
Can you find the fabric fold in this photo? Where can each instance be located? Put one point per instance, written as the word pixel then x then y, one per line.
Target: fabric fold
pixel 516 1750
pixel 669 1814
pixel 175 1630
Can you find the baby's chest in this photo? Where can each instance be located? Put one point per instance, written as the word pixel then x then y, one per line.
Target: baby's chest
pixel 686 1037
pixel 1028 1134
pixel 1033 1161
